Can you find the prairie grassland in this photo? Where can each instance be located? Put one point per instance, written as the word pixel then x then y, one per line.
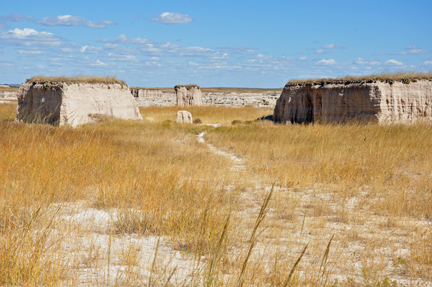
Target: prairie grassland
pixel 122 203
pixel 8 89
pixel 208 114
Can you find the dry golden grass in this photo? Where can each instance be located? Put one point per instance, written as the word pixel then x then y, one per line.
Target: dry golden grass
pixel 8 89
pixel 350 206
pixel 207 114
pixel 88 79
pixel 398 76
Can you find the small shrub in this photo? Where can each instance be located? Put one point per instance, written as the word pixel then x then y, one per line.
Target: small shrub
pixel 236 122
pixel 197 121
pixel 406 81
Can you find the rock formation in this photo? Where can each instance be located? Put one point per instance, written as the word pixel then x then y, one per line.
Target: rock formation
pixel 188 95
pixel 146 93
pixel 8 95
pixel 184 117
pixel 373 100
pixel 62 103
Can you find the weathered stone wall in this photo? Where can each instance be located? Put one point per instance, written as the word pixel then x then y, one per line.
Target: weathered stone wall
pixel 374 101
pixel 74 104
pixel 188 96
pixel 147 93
pixel 223 99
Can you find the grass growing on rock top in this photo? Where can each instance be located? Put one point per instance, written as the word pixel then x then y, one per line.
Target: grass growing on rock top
pixel 88 79
pixel 398 76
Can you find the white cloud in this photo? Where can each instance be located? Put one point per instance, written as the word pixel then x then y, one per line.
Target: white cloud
pixel 303 58
pixel 26 52
pixel 414 50
pixel 68 20
pixel 360 61
pixel 29 37
pixel 322 52
pixel 193 64
pixel 123 39
pixel 428 62
pixel 332 46
pixel 394 62
pixel 326 62
pixel 122 58
pixel 172 18
pixel 89 50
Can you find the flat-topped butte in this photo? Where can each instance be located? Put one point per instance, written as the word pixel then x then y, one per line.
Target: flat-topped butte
pixel 384 98
pixel 75 100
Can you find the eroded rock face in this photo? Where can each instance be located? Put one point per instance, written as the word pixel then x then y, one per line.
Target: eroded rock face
pixel 60 103
pixel 184 117
pixel 188 96
pixel 377 101
pixel 146 93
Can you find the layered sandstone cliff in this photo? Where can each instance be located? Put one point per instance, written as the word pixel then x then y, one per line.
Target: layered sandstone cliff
pixel 376 101
pixel 62 103
pixel 188 95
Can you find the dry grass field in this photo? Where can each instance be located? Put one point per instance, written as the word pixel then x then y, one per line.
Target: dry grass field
pixel 155 203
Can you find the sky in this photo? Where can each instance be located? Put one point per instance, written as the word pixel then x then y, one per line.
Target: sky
pixel 223 43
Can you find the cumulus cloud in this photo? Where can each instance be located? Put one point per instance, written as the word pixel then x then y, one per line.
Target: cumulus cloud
pixel 326 62
pixel 89 50
pixel 394 62
pixel 332 46
pixel 69 20
pixel 428 62
pixel 172 18
pixel 29 37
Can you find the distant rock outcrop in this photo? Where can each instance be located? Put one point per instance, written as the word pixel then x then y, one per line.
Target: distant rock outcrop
pixel 188 95
pixel 184 117
pixel 146 93
pixel 374 100
pixel 62 103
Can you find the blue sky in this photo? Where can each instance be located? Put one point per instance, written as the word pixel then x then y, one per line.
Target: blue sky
pixel 213 43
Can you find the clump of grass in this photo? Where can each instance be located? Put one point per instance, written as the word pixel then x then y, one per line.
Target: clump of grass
pixel 197 121
pixel 403 76
pixel 236 122
pixel 88 79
